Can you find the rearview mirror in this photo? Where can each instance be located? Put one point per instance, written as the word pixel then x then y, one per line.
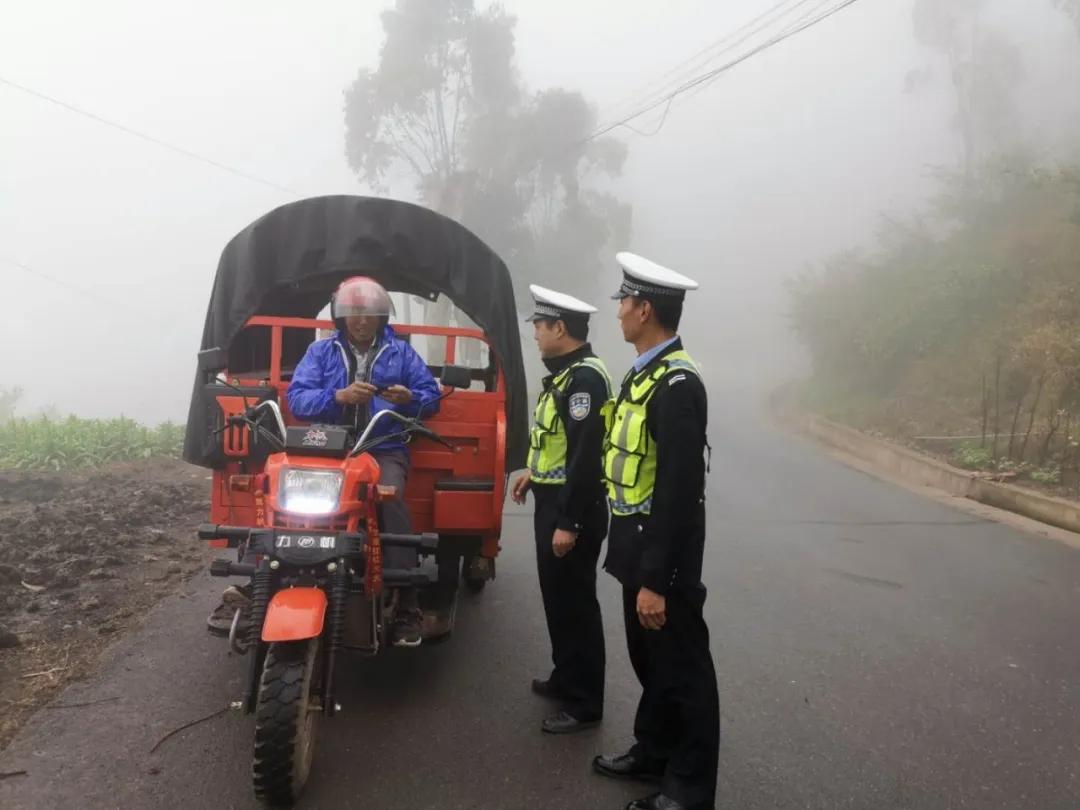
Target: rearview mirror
pixel 456 377
pixel 213 360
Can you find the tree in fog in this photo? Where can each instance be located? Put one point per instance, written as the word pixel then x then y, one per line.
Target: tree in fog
pixel 9 398
pixel 984 70
pixel 1072 8
pixel 963 319
pixel 446 107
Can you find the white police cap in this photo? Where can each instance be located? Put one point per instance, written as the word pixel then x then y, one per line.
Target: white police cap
pixel 646 279
pixel 549 304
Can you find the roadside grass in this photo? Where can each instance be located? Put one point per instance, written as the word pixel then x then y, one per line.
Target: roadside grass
pixel 71 443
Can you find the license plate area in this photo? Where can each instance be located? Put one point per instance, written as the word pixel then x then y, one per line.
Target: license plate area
pixel 306 541
pixel 307 547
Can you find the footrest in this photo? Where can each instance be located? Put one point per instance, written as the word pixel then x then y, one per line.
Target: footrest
pixel 402 577
pixel 465 485
pixel 425 543
pixel 408 577
pixel 228 568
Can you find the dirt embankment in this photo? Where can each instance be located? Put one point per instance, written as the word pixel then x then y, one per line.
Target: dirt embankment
pixel 82 557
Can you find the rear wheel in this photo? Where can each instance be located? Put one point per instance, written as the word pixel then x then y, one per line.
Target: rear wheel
pixel 285 721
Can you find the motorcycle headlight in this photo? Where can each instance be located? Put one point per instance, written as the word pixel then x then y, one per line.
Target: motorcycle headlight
pixel 310 492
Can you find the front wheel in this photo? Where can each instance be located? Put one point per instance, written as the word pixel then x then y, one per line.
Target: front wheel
pixel 285 721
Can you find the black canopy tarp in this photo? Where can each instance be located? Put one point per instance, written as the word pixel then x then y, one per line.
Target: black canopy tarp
pixel 288 262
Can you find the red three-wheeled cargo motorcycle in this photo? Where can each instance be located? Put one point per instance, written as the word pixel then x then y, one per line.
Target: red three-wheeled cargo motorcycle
pixel 298 502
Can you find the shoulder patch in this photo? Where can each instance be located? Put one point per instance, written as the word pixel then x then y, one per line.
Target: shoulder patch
pixel 676 378
pixel 580 405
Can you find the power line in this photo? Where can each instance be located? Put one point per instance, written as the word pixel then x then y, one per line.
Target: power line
pixel 806 15
pixel 687 67
pixel 794 24
pixel 777 22
pixel 59 282
pixel 747 31
pixel 149 138
pixel 659 126
pixel 712 74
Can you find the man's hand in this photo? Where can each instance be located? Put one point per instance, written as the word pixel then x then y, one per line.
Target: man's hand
pixel 397 395
pixel 651 609
pixel 358 393
pixel 521 487
pixel 563 542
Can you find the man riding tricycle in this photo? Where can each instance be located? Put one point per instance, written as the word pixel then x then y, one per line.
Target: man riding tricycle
pixel 356 490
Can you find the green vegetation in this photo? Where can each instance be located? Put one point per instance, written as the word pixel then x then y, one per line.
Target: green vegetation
pixel 73 443
pixel 963 321
pixel 1047 475
pixel 972 457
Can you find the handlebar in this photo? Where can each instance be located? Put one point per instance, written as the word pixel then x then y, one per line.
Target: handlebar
pixel 274 409
pixel 371 426
pixel 411 426
pixel 250 418
pixel 435 437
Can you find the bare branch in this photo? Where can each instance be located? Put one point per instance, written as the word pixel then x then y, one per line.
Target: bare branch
pixel 417 141
pixel 404 153
pixel 440 112
pixel 428 124
pixel 457 114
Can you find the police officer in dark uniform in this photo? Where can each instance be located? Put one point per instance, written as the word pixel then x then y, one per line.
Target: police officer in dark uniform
pixel 570 519
pixel 654 467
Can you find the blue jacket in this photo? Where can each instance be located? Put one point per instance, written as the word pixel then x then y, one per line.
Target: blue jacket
pixel 326 367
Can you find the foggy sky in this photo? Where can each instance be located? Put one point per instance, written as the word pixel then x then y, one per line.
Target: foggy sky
pixel 782 161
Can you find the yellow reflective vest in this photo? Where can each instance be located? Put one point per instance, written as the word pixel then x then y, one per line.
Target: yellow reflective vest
pixel 629 451
pixel 547 441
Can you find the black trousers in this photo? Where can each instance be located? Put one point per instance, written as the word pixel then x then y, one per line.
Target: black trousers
pixel 394 514
pixel 568 587
pixel 394 517
pixel 678 718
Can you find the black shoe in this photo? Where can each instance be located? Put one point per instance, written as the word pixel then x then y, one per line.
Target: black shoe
pixel 407 629
pixel 658 801
pixel 628 766
pixel 566 723
pixel 547 689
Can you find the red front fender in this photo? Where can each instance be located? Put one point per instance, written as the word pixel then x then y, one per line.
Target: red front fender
pixel 295 614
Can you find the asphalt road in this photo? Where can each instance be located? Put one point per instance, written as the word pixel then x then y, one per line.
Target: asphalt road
pixel 875 649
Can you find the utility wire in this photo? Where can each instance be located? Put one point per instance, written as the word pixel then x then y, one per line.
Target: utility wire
pixel 708 76
pixel 781 28
pixel 694 63
pixel 794 24
pixel 712 74
pixel 150 138
pixel 806 15
pixel 58 281
pixel 658 127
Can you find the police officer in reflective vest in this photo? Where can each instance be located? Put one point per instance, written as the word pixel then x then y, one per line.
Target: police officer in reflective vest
pixel 570 519
pixel 654 468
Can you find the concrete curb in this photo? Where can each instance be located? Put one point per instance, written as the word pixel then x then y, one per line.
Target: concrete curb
pixel 921 470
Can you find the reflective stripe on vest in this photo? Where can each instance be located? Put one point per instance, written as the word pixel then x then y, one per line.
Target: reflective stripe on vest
pixel 629 451
pixel 547 440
